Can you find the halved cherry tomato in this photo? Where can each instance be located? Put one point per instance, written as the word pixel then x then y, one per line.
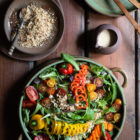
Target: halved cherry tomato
pixel 42 88
pixel 28 104
pixel 98 82
pixel 50 82
pixel 100 92
pixel 51 91
pixel 32 93
pixel 66 68
pixel 46 102
pixel 61 92
pixel 116 106
pixel 109 116
pixel 41 137
pixel 118 101
pixel 90 87
pixel 117 117
pixel 93 95
pixel 107 136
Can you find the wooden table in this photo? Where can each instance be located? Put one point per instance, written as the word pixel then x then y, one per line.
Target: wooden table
pixel 79 19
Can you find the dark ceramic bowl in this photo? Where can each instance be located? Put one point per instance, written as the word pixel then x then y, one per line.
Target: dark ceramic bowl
pixel 116 36
pixel 58 61
pixel 50 45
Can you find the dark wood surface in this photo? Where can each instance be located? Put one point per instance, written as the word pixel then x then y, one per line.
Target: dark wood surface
pixel 80 19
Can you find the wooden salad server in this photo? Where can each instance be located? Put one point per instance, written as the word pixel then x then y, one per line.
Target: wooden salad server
pixel 127 14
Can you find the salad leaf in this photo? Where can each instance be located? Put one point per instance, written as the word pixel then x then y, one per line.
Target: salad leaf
pixel 111 109
pixel 38 107
pixel 25 113
pixel 103 129
pixel 102 103
pixel 51 72
pixel 96 69
pixel 89 115
pixel 111 133
pixel 114 89
pixel 93 105
pixel 114 95
pixel 47 75
pixel 71 60
pixel 99 121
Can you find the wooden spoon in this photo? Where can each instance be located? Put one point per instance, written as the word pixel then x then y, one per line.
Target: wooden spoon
pixel 136 3
pixel 130 18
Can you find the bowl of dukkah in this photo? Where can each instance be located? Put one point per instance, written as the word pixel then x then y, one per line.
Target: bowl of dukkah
pixel 73 98
pixel 34 26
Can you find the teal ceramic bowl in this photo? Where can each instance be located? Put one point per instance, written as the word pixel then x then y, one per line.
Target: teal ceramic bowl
pixel 109 7
pixel 58 61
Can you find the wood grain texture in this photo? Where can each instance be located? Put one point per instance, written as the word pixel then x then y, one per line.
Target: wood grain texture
pixel 12 75
pixel 124 58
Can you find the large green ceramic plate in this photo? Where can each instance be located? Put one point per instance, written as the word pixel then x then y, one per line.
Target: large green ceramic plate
pixel 109 7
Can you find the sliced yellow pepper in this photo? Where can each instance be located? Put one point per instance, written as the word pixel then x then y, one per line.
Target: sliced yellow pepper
pixel 65 128
pixel 59 125
pixel 36 123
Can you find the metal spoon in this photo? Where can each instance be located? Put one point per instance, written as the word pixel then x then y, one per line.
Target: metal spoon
pixel 15 37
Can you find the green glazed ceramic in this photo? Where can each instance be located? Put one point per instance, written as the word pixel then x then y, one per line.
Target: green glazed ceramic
pixel 109 7
pixel 58 61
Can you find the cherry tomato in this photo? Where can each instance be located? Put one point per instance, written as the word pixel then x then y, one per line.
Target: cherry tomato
pixel 107 136
pixel 61 92
pixel 93 95
pixel 98 82
pixel 51 91
pixel 116 106
pixel 42 88
pixel 66 68
pixel 28 104
pixel 109 116
pixel 50 82
pixel 118 101
pixel 46 102
pixel 100 92
pixel 117 117
pixel 90 87
pixel 41 137
pixel 32 93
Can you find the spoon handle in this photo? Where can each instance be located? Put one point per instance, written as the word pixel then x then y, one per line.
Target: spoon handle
pixel 11 50
pixel 127 14
pixel 136 3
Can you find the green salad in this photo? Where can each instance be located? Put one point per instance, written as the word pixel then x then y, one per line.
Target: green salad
pixel 74 100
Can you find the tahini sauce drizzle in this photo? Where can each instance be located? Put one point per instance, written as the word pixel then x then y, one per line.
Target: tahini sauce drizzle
pixel 106 38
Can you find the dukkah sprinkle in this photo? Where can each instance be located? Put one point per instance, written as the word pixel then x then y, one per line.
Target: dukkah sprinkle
pixel 39 26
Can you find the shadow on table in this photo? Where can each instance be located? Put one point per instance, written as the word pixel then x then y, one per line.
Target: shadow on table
pixel 12 127
pixel 87 41
pixel 3 7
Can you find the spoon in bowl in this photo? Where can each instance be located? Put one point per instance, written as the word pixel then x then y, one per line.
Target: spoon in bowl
pixel 15 36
